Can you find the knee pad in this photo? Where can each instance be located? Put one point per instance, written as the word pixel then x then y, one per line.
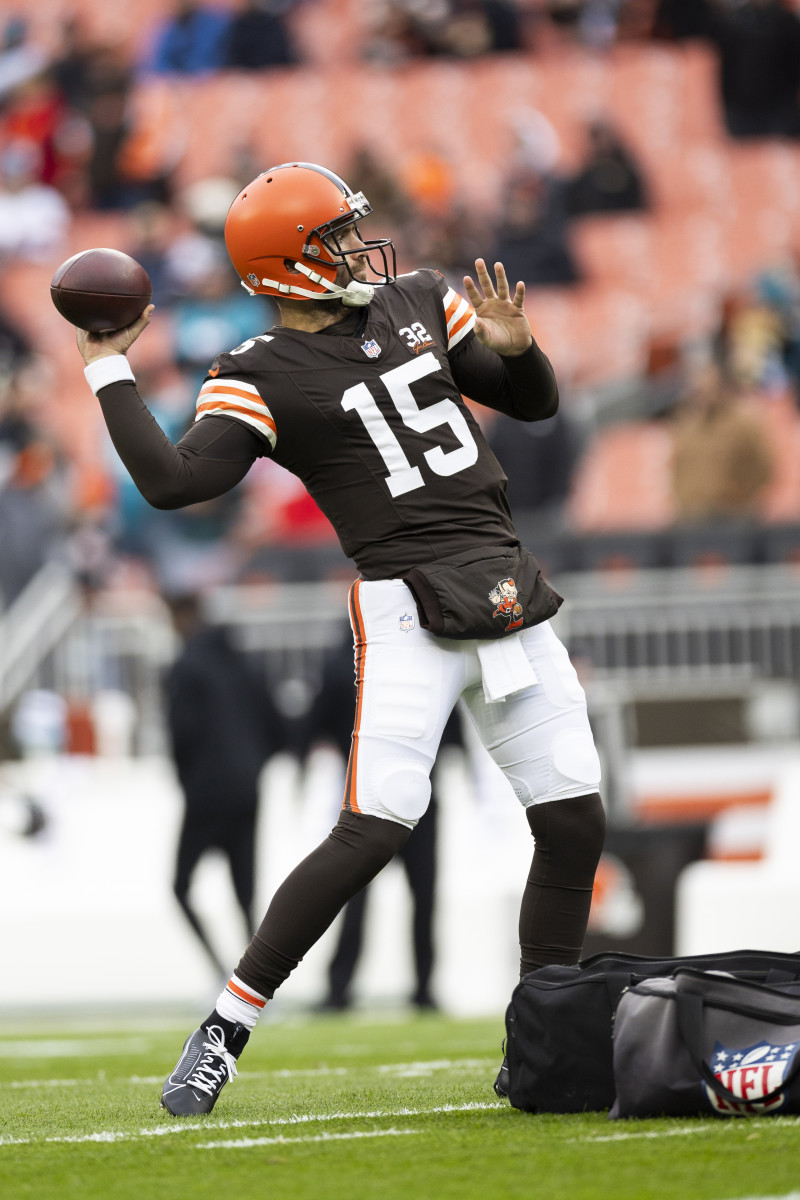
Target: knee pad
pixel 401 789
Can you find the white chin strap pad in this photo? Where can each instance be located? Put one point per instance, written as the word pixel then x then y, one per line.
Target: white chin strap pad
pixel 356 294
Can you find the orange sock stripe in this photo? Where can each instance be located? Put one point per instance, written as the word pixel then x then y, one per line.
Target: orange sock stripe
pixel 243 995
pixel 350 802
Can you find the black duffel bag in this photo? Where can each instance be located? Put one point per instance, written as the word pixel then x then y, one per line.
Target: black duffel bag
pixel 700 1043
pixel 559 1022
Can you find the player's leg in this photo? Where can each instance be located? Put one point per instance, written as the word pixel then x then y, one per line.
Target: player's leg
pixel 541 739
pixel 303 907
pixel 405 694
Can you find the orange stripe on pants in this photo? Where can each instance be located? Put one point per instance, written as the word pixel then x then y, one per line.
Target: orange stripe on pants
pixel 350 802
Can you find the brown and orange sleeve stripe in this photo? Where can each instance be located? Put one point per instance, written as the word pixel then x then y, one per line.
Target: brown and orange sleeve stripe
pixel 239 399
pixel 460 317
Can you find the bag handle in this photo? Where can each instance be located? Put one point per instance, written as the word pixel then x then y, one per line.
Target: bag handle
pixel 690 1012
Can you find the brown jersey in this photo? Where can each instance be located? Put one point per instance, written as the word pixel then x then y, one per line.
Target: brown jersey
pixel 369 414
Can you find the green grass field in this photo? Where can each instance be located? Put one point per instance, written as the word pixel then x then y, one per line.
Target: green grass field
pixel 347 1107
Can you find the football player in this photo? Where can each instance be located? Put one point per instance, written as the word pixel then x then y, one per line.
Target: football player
pixel 358 391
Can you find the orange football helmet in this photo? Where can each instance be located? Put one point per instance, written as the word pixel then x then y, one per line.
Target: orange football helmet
pixel 287 224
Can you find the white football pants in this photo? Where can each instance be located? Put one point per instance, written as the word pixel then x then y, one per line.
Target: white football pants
pixel 408 683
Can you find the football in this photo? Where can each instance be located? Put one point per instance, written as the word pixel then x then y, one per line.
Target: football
pixel 101 290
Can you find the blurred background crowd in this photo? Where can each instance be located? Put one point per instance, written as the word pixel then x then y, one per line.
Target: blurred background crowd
pixel 635 162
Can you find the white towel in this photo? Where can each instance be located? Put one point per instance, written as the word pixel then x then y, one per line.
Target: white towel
pixel 505 667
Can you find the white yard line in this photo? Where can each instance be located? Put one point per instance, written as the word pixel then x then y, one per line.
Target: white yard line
pixel 686 1130
pixel 783 1196
pixel 111 1135
pixel 405 1070
pixel 74 1047
pixel 247 1143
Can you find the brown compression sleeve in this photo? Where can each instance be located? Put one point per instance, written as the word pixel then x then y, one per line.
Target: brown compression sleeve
pixel 309 899
pixel 555 905
pixel 210 459
pixel 523 387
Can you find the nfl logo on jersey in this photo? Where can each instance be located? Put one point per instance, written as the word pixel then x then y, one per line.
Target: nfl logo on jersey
pixel 406 622
pixel 371 348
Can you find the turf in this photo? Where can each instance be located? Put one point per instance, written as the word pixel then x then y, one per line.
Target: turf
pixel 342 1108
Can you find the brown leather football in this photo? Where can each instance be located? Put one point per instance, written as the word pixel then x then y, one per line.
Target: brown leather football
pixel 101 290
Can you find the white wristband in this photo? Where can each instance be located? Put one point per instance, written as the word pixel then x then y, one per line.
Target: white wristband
pixel 114 368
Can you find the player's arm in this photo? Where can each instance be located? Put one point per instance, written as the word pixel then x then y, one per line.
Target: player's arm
pixel 209 460
pixel 493 356
pixel 523 387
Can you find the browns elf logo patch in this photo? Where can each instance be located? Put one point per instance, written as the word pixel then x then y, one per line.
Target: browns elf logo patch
pixel 504 597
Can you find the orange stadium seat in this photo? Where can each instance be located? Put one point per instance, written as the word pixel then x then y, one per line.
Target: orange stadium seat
pixel 623 481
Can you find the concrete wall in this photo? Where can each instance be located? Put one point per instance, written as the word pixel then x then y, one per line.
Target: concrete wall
pixel 87 914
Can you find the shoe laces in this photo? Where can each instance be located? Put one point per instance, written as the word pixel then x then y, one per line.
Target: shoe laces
pixel 215 1066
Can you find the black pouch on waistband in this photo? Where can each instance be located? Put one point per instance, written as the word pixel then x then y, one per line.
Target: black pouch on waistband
pixel 483 593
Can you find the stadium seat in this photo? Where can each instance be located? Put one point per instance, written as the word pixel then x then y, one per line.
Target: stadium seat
pixel 623 481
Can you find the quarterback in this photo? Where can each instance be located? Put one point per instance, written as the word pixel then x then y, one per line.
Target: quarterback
pixel 358 391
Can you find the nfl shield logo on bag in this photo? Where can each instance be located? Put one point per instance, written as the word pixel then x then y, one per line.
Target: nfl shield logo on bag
pixel 751 1072
pixel 371 348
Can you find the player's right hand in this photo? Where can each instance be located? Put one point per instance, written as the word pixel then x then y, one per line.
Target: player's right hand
pixel 102 345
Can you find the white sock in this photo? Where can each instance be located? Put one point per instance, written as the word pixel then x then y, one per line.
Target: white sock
pixel 240 1003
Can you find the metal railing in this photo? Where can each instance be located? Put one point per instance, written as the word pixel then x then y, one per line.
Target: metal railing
pixel 662 633
pixel 34 626
pixel 725 622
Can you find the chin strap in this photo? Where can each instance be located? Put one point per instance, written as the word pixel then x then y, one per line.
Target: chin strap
pixel 355 295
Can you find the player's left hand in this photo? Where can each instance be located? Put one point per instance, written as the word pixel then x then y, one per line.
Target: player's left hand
pixel 501 323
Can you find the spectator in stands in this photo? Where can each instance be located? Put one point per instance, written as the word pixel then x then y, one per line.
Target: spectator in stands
pixel 758 42
pixel 223 728
pixel 33 504
pixel 722 459
pixel 108 91
pixel 677 20
pixel 779 288
pixel 592 22
pixel 34 218
pixel 258 37
pixel 751 339
pixel 212 312
pixel 192 41
pixel 72 66
pixel 19 60
pixel 387 196
pixel 453 28
pixel 609 179
pixel 152 228
pixel 532 238
pixel 15 350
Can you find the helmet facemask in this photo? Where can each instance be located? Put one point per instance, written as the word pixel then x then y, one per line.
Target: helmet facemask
pixel 329 235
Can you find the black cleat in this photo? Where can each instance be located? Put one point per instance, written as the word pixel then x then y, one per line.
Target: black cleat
pixel 503 1083
pixel 205 1066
